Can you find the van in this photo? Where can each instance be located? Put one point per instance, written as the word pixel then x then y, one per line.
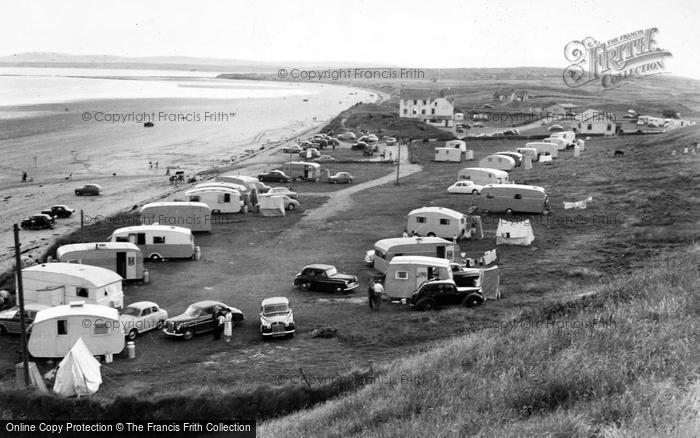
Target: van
pixel 193 215
pixel 543 148
pixel 500 162
pixel 218 199
pixel 55 330
pixel 302 170
pixel 124 258
pixel 437 222
pixel 405 274
pixel 386 249
pixel 53 284
pixel 158 242
pixel 483 175
pixel 513 198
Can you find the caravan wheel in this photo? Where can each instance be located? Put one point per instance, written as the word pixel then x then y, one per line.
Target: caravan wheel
pixel 431 234
pixel 509 211
pixel 132 334
pixel 156 257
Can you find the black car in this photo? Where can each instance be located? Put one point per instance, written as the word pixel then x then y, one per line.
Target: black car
pixel 198 318
pixel 274 176
pixel 88 190
pixel 58 211
pixel 37 222
pixel 325 278
pixel 440 293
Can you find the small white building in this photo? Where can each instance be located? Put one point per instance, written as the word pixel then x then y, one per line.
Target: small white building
pixel 593 122
pixel 54 284
pixel 427 106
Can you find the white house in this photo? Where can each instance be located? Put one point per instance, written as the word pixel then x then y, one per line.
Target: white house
pixel 593 122
pixel 427 106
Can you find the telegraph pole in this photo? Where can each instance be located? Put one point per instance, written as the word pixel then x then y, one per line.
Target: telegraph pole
pixel 20 299
pixel 398 162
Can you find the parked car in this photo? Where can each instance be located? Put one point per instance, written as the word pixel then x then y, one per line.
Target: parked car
pixel 323 158
pixel 37 222
pixel 141 317
pixel 340 177
pixel 282 191
pixel 440 293
pixel 88 190
pixel 347 136
pixel 197 319
pixel 309 152
pixel 290 204
pixel 10 321
pixel 390 141
pixel 325 278
pixel 292 149
pixel 369 258
pixel 58 211
pixel 359 146
pixel 274 176
pixel 276 318
pixel 465 187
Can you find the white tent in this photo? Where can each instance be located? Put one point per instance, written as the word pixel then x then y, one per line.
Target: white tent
pixel 272 205
pixel 514 233
pixel 78 373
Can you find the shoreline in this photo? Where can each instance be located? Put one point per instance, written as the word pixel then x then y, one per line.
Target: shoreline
pixel 139 186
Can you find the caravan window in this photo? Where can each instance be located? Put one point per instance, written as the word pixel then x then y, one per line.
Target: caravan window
pixel 158 239
pixel 101 327
pixel 194 198
pixel 518 196
pixel 227 197
pixel 62 327
pixel 121 239
pixel 401 275
pixel 131 261
pixel 444 221
pixel 421 219
pixel 81 292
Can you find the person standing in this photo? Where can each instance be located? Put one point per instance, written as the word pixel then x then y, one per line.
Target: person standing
pixel 228 326
pixel 24 176
pixel 377 292
pixel 405 233
pixel 216 321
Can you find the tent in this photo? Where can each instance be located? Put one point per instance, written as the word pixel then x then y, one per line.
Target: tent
pixel 272 205
pixel 490 282
pixel 514 233
pixel 78 373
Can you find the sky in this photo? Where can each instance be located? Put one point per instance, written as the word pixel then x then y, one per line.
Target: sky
pixel 435 34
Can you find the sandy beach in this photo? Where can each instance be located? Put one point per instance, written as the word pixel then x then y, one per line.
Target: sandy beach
pixel 64 145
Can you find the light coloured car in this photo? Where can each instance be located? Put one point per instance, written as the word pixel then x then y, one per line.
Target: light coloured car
pixel 465 187
pixel 324 158
pixel 10 318
pixel 141 317
pixel 292 149
pixel 389 141
pixel 282 191
pixel 290 204
pixel 276 318
pixel 340 177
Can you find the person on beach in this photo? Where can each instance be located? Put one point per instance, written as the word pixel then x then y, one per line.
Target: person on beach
pixel 24 176
pixel 150 164
pixel 167 171
pixel 228 326
pixel 156 164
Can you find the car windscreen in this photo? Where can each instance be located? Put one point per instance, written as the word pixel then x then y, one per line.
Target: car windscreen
pixel 132 311
pixel 331 271
pixel 275 309
pixel 194 311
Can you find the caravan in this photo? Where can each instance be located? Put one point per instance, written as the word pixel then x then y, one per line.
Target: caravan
pixel 448 154
pixel 193 215
pixel 560 142
pixel 57 329
pixel 386 249
pixel 512 198
pixel 218 199
pixel 124 258
pixel 158 242
pixel 250 182
pixel 405 274
pixel 568 136
pixel 500 162
pixel 302 170
pixel 544 148
pixel 53 284
pixel 437 221
pixel 482 176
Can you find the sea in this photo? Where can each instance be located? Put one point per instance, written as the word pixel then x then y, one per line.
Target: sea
pixel 28 86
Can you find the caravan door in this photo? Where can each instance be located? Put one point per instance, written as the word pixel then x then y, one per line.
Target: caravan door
pixel 421 275
pixel 121 264
pixel 130 266
pixel 137 238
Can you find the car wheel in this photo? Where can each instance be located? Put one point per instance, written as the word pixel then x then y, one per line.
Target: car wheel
pixel 475 192
pixel 155 257
pixel 471 301
pixel 132 334
pixel 431 234
pixel 189 334
pixel 306 286
pixel 425 304
pixel 160 325
pixel 291 207
pixel 509 211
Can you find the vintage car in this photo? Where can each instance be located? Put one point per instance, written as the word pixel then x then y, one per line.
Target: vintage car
pixel 340 177
pixel 282 191
pixel 198 318
pixel 274 176
pixel 323 158
pixel 58 211
pixel 465 187
pixel 325 278
pixel 37 222
pixel 88 190
pixel 292 149
pixel 141 317
pixel 440 293
pixel 347 136
pixel 9 318
pixel 276 318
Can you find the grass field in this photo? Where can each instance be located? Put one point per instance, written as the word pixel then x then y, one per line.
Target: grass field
pixel 645 204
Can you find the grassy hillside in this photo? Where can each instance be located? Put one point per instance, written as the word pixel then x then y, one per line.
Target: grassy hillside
pixel 622 362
